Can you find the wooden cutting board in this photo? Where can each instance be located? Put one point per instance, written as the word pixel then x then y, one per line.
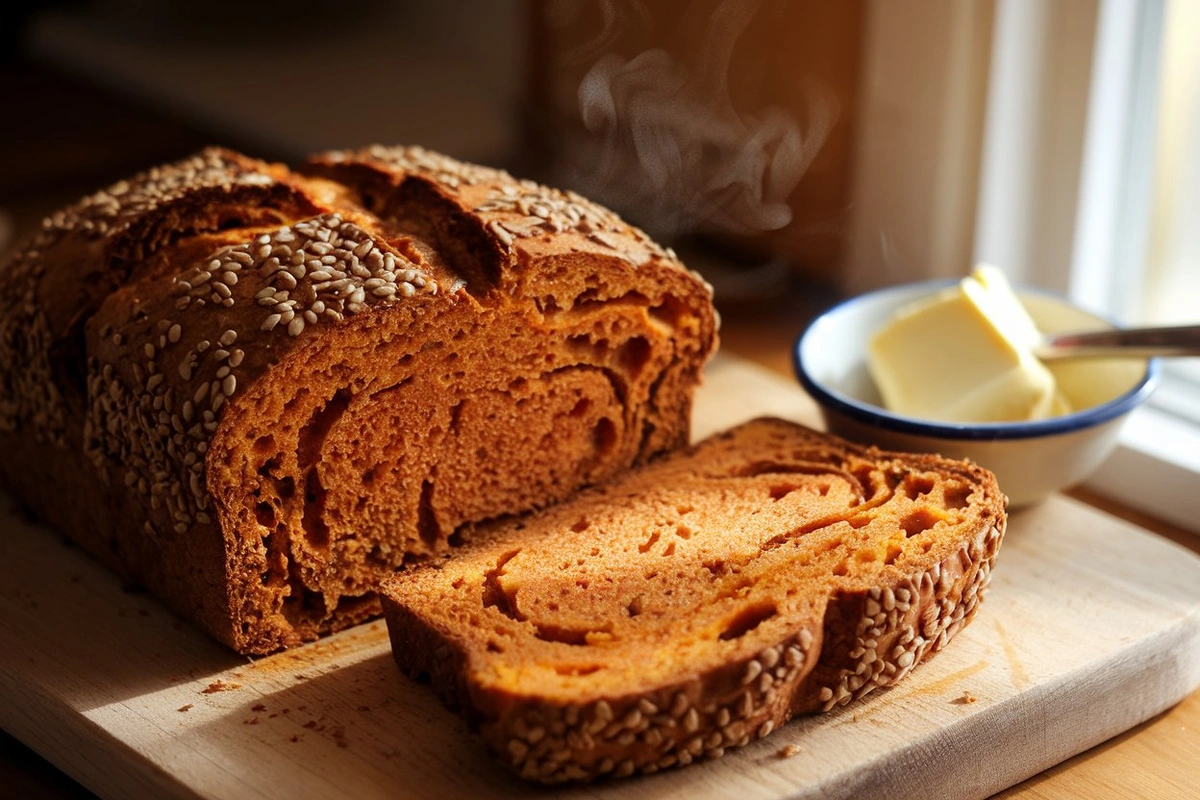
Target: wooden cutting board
pixel 1091 626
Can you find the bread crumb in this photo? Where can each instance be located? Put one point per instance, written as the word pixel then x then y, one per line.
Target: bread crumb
pixel 184 707
pixel 966 698
pixel 251 721
pixel 339 736
pixel 258 707
pixel 788 751
pixel 295 738
pixel 220 686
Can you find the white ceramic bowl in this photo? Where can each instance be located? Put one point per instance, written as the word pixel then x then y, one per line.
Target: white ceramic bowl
pixel 1030 459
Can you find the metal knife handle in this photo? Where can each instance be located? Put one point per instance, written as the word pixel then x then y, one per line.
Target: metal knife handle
pixel 1183 340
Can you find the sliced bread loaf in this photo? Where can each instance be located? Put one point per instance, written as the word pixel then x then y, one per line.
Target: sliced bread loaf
pixel 257 391
pixel 697 603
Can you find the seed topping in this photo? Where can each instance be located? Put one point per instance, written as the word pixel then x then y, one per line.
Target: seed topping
pixel 161 443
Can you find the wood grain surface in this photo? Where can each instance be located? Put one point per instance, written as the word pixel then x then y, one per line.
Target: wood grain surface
pixel 1092 625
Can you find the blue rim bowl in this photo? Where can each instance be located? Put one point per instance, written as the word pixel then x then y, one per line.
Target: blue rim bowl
pixel 876 416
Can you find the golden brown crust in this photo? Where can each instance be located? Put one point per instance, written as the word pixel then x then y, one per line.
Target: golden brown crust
pixel 267 389
pixel 699 602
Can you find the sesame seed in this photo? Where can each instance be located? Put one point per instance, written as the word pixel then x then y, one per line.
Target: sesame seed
pixel 793 656
pixel 770 657
pixel 518 750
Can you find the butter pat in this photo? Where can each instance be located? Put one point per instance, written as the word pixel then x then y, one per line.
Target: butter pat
pixel 965 355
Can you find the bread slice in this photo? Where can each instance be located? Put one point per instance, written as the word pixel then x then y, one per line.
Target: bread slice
pixel 697 603
pixel 263 389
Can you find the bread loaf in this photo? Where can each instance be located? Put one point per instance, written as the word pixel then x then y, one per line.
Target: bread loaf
pixel 256 391
pixel 698 602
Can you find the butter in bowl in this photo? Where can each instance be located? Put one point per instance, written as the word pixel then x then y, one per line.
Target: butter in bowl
pixel 948 367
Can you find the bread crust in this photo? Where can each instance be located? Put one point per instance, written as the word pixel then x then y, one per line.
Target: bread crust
pixel 834 596
pixel 234 370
